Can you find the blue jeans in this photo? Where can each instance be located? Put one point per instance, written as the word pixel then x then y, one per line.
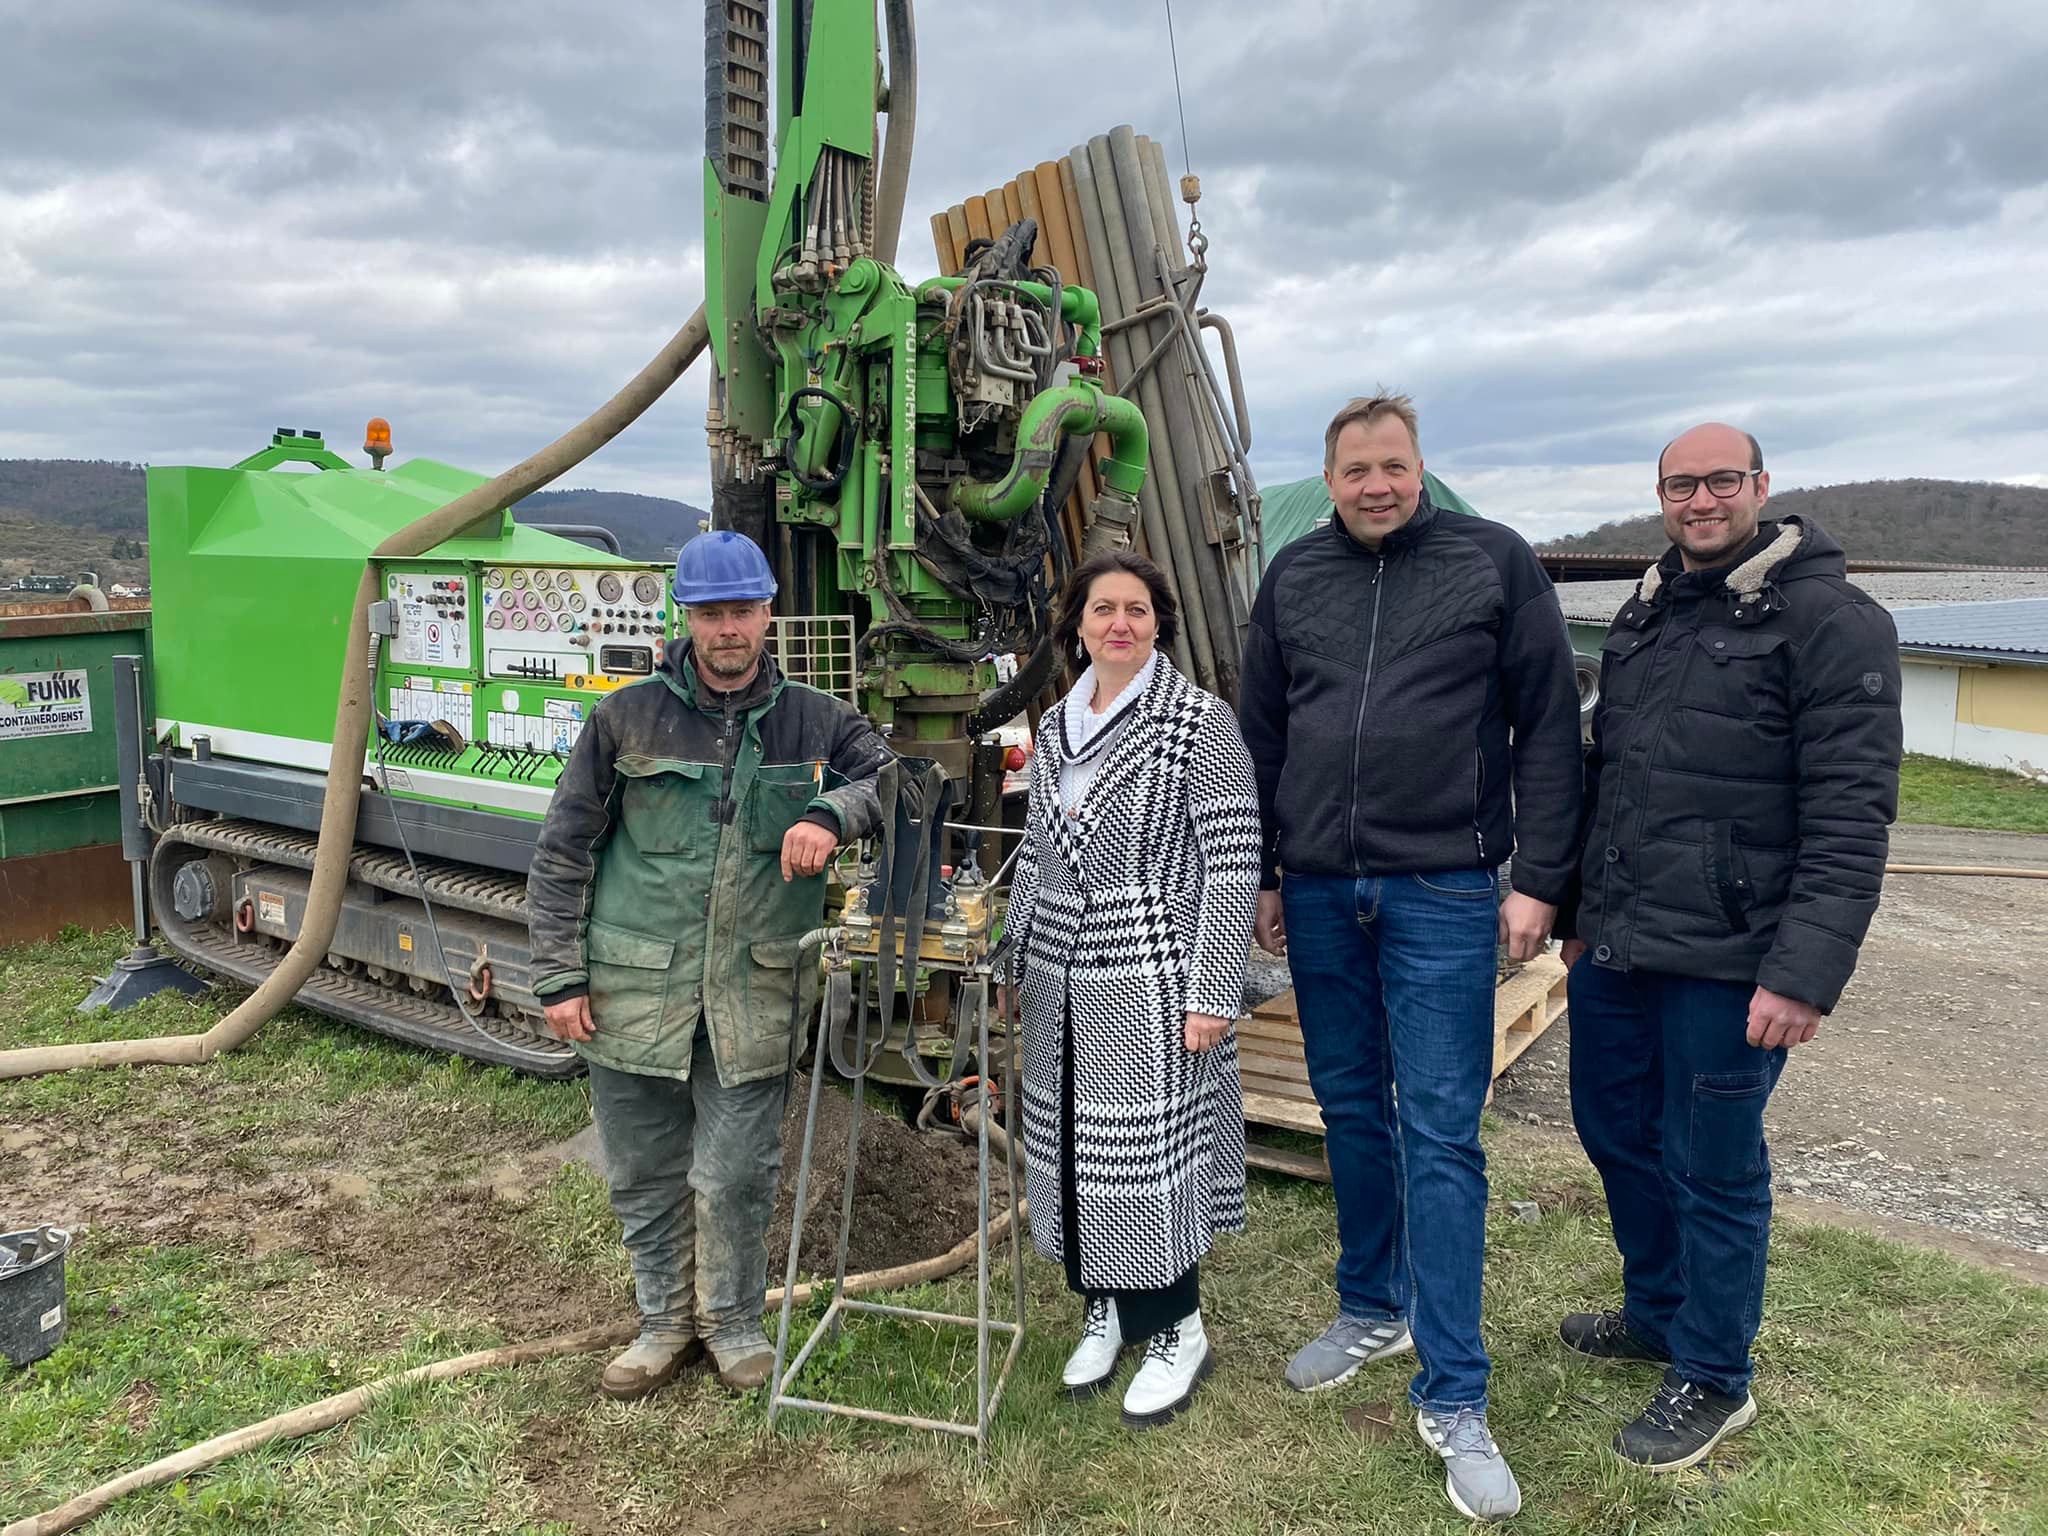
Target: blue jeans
pixel 692 1168
pixel 1394 977
pixel 1668 1095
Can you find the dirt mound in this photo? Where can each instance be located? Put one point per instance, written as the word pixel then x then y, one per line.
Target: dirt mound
pixel 915 1198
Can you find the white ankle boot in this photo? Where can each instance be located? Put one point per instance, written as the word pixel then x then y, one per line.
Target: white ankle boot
pixel 1093 1362
pixel 1176 1360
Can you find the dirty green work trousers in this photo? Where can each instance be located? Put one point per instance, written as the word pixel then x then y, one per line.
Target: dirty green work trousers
pixel 692 1168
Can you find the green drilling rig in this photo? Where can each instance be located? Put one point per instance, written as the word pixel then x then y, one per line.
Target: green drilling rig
pixel 900 450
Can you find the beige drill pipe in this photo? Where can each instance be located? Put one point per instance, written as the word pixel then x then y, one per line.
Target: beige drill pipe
pixel 330 1411
pixel 352 730
pixel 1990 871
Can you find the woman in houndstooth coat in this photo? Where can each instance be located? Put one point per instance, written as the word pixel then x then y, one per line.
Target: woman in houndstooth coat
pixel 1130 922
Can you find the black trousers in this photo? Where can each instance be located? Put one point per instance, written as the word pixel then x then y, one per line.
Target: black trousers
pixel 1139 1314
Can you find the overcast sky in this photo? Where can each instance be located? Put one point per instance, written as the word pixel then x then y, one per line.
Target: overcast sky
pixel 1570 230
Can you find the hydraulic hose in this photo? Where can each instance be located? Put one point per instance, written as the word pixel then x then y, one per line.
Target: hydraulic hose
pixel 352 730
pixel 1079 409
pixel 344 1406
pixel 893 183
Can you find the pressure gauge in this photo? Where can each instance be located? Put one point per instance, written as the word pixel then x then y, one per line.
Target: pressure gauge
pixel 554 599
pixel 496 619
pixel 647 588
pixel 520 620
pixel 609 588
pixel 578 602
pixel 494 578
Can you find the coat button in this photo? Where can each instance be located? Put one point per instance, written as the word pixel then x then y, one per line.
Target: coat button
pixel 1613 855
pixel 1603 953
pixel 1720 645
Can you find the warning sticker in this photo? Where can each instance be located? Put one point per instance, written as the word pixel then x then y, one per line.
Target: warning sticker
pixel 405 941
pixel 44 704
pixel 269 908
pixel 51 1319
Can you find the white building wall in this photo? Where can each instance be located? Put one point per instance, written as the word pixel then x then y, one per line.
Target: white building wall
pixel 1927 698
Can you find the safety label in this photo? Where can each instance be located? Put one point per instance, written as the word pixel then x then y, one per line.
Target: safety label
pixel 50 1319
pixel 44 704
pixel 433 620
pixel 269 908
pixel 424 702
pixel 553 734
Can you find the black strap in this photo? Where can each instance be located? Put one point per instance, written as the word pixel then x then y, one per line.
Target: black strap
pixel 917 793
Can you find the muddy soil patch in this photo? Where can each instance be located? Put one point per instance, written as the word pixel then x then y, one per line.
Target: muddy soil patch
pixel 768 1496
pixel 915 1196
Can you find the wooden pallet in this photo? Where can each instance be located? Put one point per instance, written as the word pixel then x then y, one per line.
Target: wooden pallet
pixel 1276 1090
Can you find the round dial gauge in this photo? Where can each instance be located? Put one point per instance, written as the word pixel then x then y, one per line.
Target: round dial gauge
pixel 494 578
pixel 647 587
pixel 554 599
pixel 519 578
pixel 609 588
pixel 519 619
pixel 496 620
pixel 578 602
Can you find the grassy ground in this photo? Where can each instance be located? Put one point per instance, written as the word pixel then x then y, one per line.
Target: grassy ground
pixel 348 1207
pixel 1941 793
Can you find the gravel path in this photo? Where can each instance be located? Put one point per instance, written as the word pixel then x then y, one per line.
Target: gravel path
pixel 1925 1096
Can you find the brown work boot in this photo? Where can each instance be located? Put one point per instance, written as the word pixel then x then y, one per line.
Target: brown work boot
pixel 646 1365
pixel 745 1366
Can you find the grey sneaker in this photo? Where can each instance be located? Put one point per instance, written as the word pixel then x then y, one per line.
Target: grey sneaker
pixel 1476 1475
pixel 1348 1343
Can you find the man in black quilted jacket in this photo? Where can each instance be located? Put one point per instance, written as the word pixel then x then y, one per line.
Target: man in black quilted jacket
pixel 1744 768
pixel 1408 699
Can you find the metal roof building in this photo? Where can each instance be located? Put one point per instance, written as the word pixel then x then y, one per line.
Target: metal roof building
pixel 2013 631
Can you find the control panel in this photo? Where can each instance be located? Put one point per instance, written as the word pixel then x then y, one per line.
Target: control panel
pixel 509 659
pixel 543 625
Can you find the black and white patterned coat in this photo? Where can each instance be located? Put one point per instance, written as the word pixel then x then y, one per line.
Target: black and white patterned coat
pixel 1127 914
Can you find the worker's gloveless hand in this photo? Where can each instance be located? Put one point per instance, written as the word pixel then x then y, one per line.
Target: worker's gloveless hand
pixel 1775 1020
pixel 1006 1003
pixel 570 1020
pixel 1570 951
pixel 806 849
pixel 1525 925
pixel 1270 927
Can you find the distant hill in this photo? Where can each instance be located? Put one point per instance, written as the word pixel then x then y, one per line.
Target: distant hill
pixel 647 526
pixel 67 516
pixel 1954 522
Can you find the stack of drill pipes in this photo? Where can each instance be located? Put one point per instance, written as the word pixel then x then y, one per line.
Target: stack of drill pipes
pixel 1104 238
pixel 1222 452
pixel 1127 218
pixel 1050 188
pixel 1055 249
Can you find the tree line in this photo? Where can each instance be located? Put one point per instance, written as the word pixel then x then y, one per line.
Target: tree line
pixel 1952 522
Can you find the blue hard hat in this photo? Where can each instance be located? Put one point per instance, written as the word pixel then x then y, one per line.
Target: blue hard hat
pixel 722 567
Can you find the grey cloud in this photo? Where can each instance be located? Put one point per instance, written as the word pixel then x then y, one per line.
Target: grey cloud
pixel 223 214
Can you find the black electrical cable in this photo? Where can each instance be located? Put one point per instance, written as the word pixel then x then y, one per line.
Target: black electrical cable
pixel 552 1058
pixel 829 483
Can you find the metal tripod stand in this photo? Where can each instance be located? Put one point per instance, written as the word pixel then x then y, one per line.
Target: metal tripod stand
pixel 973 995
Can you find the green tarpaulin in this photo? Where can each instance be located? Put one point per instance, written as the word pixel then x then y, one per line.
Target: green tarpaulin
pixel 1288 511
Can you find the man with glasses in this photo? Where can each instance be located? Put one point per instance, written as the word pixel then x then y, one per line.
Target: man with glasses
pixel 1744 768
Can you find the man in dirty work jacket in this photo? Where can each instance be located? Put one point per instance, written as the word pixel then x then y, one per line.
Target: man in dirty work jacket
pixel 682 859
pixel 1408 700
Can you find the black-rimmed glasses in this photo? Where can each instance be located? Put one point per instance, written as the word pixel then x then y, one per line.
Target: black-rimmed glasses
pixel 1722 482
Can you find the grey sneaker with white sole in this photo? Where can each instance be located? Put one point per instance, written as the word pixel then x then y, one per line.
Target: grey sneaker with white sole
pixel 1350 1342
pixel 1477 1477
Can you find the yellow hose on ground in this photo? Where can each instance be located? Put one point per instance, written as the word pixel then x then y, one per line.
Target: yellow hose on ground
pixel 352 730
pixel 330 1411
